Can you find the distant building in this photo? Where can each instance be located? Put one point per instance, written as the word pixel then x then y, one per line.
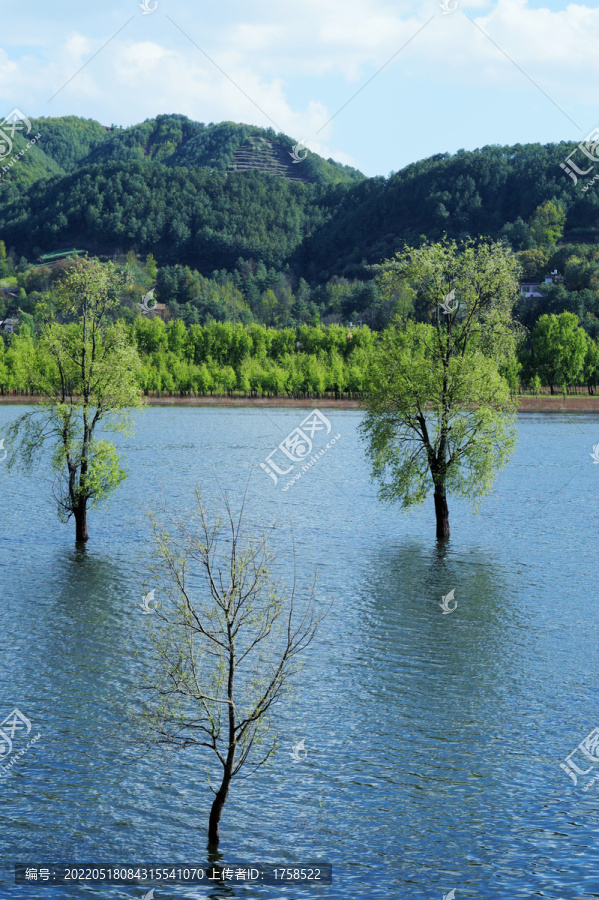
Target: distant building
pixel 8 325
pixel 159 309
pixel 531 288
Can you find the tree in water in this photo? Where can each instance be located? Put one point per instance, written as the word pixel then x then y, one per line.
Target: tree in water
pixel 439 412
pixel 227 637
pixel 86 372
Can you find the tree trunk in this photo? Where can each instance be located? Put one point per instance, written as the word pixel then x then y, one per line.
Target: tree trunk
pixel 442 513
pixel 216 812
pixel 80 514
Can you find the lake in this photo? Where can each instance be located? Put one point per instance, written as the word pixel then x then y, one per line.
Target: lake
pixel 433 742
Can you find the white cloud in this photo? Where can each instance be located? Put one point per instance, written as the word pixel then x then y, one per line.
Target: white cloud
pixel 300 62
pixel 77 47
pixel 8 73
pixel 170 80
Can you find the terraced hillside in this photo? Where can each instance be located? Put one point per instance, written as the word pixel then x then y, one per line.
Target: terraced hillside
pixel 260 153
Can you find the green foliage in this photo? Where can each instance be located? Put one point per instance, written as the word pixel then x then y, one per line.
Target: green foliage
pixel 547 224
pixel 230 650
pixel 86 371
pixel 517 234
pixel 6 264
pixel 178 141
pixel 167 187
pixel 253 360
pixel 534 263
pixel 26 164
pixel 209 217
pixel 420 405
pixel 69 139
pixel 492 191
pixel 245 246
pixel 228 358
pixel 560 349
pixel 105 472
pixel 439 413
pixel 591 366
pixel 217 357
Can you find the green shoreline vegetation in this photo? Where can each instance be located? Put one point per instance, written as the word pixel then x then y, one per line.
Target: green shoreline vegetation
pixel 275 279
pixel 439 382
pixel 255 360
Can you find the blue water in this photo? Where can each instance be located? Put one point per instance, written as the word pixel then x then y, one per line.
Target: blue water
pixel 433 741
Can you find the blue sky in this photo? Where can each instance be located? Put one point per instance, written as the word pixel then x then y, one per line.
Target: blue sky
pixel 456 84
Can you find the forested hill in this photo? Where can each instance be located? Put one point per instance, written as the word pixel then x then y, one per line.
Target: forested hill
pixel 493 191
pixel 70 143
pixel 207 195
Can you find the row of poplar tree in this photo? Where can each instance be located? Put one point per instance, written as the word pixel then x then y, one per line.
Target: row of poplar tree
pixel 222 358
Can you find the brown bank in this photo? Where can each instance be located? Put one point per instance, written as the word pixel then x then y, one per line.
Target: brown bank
pixel 546 403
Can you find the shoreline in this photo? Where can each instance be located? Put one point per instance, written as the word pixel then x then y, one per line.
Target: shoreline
pixel 555 404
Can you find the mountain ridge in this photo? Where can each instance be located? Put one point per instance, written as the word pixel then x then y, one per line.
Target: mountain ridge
pixel 210 195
